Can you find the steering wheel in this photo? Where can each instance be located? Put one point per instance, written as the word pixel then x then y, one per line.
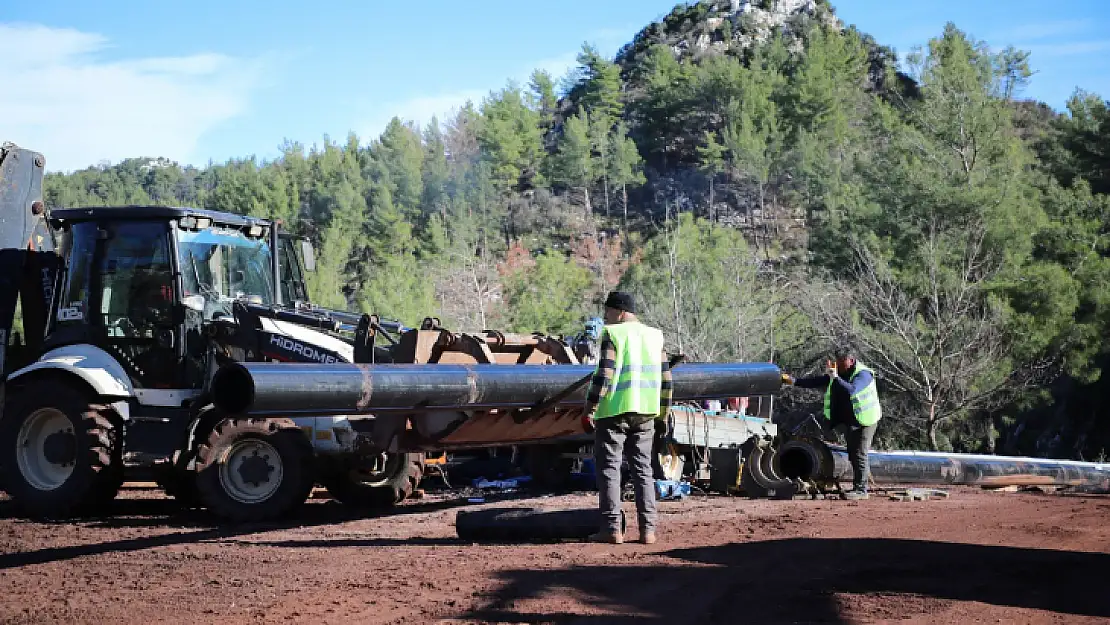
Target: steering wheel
pixel 118 329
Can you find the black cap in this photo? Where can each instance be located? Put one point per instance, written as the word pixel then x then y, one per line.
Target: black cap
pixel 621 301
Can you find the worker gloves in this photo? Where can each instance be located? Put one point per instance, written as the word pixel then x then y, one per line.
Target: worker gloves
pixel 588 422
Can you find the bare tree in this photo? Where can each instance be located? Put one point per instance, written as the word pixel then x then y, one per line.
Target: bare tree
pixel 469 290
pixel 941 342
pixel 708 292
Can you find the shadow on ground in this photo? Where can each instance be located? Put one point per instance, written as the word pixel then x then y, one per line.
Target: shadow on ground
pixel 165 514
pixel 798 580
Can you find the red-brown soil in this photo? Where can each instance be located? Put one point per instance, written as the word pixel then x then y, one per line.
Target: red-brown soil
pixel 975 557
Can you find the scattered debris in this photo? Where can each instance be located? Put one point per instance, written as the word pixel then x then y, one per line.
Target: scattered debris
pixel 506 484
pixel 671 490
pixel 918 494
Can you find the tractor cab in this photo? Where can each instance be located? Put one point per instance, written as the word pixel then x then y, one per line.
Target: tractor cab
pixel 124 315
pixel 142 282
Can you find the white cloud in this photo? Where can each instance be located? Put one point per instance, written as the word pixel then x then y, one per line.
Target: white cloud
pixel 61 99
pixel 421 108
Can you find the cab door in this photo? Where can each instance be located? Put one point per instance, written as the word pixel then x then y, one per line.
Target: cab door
pixel 133 286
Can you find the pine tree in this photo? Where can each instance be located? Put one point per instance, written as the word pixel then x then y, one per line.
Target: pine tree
pixel 511 140
pixel 575 165
pixel 436 173
pixel 543 93
pixel 600 85
pixel 401 152
pixel 626 167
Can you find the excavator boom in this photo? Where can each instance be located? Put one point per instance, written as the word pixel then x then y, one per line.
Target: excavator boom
pixel 27 260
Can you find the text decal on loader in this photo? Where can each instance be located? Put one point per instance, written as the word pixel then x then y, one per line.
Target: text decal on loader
pixel 301 349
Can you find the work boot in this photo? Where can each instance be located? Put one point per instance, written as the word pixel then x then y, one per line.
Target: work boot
pixel 648 537
pixel 856 494
pixel 606 536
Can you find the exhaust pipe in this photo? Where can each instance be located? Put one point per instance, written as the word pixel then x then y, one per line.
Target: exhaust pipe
pixel 295 389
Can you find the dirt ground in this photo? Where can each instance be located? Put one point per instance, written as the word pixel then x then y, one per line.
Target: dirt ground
pixel 975 557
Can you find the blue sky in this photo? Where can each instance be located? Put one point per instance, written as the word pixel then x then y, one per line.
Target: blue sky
pixel 87 82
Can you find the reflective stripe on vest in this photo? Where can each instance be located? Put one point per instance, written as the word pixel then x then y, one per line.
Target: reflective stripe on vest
pixel 865 402
pixel 638 371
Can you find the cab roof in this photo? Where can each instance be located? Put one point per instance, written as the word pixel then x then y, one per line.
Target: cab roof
pixel 72 215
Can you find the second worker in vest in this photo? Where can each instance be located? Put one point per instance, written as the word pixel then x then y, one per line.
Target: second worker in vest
pixel 629 397
pixel 852 405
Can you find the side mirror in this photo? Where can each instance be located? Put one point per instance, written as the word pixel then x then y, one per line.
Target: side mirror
pixel 193 302
pixel 308 255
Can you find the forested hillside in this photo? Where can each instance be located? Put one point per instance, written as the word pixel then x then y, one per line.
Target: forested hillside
pixel 768 183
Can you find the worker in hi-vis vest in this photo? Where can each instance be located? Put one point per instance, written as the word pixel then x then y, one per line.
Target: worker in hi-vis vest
pixel 629 397
pixel 851 406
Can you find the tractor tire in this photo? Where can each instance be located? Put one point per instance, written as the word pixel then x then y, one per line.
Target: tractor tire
pixel 61 454
pixel 254 470
pixel 400 477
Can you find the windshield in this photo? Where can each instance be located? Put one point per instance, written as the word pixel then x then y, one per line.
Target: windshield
pixel 224 265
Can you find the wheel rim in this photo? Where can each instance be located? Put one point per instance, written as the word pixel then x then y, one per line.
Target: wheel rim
pixel 46 450
pixel 252 471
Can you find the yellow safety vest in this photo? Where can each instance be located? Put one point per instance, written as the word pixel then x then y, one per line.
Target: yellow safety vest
pixel 865 402
pixel 638 374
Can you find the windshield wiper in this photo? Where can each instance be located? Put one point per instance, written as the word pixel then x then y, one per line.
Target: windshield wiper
pixel 206 290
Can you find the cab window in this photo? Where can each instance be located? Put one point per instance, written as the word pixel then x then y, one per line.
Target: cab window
pixel 136 280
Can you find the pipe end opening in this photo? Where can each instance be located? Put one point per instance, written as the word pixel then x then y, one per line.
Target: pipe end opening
pixel 233 389
pixel 797 463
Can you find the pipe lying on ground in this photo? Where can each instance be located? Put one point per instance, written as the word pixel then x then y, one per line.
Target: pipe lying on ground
pixel 290 389
pixel 921 467
pixel 804 460
pixel 529 524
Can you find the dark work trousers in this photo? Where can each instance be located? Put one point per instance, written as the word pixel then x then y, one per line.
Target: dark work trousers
pixel 859 444
pixel 630 437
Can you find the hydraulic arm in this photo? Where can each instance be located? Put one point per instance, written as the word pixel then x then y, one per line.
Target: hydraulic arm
pixel 27 260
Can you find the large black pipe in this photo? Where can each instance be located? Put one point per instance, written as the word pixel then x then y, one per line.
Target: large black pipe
pixel 529 524
pixel 922 467
pixel 263 389
pixel 809 459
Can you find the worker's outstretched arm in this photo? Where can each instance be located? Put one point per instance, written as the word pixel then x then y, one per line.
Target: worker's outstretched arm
pixel 863 378
pixel 817 381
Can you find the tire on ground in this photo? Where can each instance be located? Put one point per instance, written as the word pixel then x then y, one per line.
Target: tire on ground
pixel 254 469
pixel 61 452
pixel 402 476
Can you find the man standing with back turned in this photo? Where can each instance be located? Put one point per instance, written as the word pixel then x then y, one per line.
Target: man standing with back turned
pixel 629 397
pixel 851 403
